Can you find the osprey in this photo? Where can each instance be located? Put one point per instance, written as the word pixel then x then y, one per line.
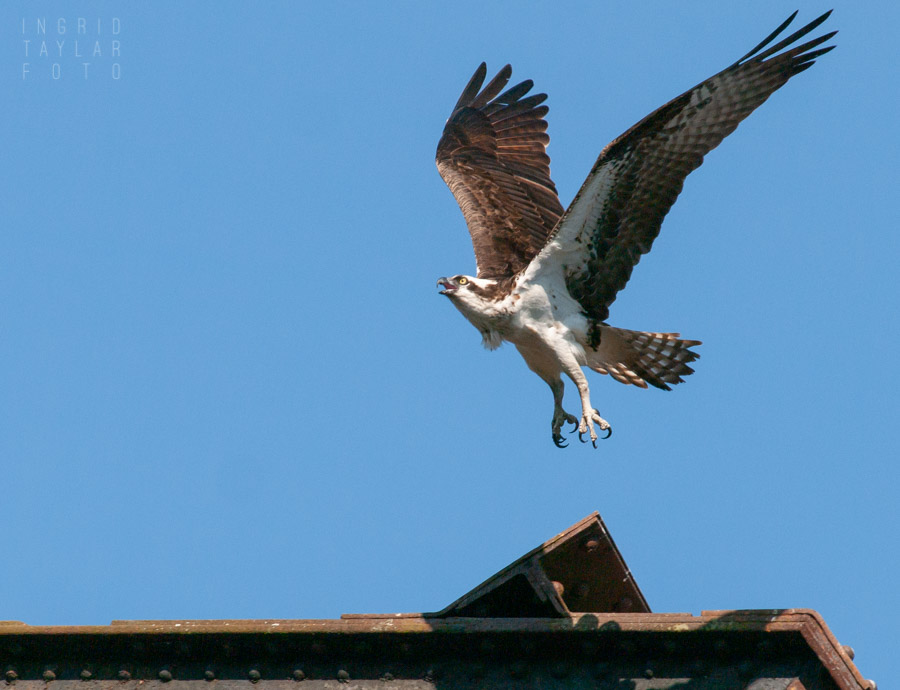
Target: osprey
pixel 546 276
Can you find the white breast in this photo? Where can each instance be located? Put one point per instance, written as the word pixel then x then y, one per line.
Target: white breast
pixel 547 324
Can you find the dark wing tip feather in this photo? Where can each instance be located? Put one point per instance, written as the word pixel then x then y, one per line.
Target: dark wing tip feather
pixel 494 87
pixel 474 96
pixel 802 67
pixel 473 87
pixel 783 43
pixel 807 59
pixel 768 39
pixel 514 93
pixel 524 105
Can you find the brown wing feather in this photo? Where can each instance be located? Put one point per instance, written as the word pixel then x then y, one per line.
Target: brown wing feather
pixel 493 157
pixel 617 218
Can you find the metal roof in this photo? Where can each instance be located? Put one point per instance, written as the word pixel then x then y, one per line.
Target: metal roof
pixel 579 569
pixel 489 638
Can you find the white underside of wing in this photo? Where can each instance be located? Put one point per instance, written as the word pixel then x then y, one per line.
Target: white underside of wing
pixel 546 324
pixel 569 249
pixel 539 315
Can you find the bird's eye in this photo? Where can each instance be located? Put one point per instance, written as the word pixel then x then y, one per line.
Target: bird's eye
pixel 463 280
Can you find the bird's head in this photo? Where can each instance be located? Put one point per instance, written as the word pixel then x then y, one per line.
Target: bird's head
pixel 452 287
pixel 468 291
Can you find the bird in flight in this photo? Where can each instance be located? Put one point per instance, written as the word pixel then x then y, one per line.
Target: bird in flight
pixel 546 276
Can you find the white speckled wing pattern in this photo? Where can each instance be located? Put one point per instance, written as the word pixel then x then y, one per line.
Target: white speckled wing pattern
pixel 619 209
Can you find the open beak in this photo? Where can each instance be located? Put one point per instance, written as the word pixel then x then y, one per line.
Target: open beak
pixel 449 287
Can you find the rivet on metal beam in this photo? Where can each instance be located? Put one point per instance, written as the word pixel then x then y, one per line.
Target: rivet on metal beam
pixel 591 545
pixel 648 673
pixel 343 676
pixel 165 675
pixel 558 586
pixel 48 675
pixel 601 670
pixel 124 675
pixel 848 650
pixel 85 674
pixel 209 674
pixel 254 675
pixel 387 676
pixel 11 676
pixel 582 589
pixel 430 675
pixel 560 670
pixel 298 674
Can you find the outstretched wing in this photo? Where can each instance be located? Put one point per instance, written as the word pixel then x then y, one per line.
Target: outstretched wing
pixel 618 211
pixel 493 157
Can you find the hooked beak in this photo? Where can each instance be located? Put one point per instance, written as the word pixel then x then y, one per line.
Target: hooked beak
pixel 449 287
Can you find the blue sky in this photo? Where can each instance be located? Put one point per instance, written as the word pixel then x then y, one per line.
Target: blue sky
pixel 231 389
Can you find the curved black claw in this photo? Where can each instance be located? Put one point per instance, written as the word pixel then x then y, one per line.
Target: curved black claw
pixel 594 443
pixel 581 437
pixel 574 427
pixel 560 441
pixel 608 433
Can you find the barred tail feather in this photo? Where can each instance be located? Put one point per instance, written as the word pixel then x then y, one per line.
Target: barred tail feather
pixel 639 358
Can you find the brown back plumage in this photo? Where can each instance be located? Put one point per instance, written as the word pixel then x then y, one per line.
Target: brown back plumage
pixel 492 155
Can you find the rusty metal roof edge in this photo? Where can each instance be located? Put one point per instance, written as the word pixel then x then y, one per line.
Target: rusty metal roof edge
pixel 832 653
pixel 738 620
pixel 820 639
pixel 807 622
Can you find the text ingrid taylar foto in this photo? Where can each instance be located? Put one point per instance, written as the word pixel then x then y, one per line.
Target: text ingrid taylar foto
pixel 71 48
